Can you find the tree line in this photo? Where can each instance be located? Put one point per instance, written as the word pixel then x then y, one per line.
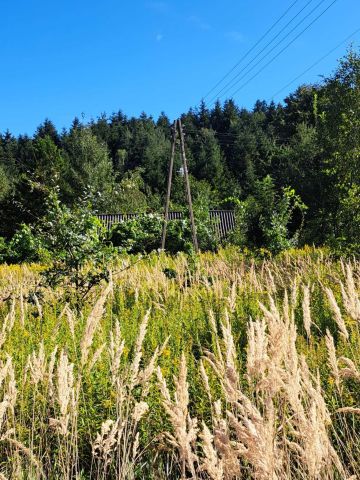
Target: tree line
pixel 291 170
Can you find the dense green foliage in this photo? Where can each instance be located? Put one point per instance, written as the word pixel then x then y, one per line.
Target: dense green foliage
pixel 267 163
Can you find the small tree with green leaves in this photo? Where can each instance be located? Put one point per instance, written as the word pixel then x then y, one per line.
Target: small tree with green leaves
pixel 75 240
pixel 72 243
pixel 267 218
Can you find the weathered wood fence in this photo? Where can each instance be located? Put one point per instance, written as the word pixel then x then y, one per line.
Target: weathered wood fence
pixel 223 221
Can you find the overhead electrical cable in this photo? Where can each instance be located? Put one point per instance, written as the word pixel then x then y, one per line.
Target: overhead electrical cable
pixel 316 63
pixel 233 83
pixel 252 48
pixel 285 48
pixel 229 83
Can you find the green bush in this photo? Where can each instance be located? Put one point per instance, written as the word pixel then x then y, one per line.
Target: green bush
pixel 26 246
pixel 3 249
pixel 138 235
pixel 143 235
pixel 266 218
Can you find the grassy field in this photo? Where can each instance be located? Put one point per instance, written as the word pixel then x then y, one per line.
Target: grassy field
pixel 213 367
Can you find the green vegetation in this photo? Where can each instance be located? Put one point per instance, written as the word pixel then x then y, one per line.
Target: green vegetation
pixel 258 372
pixel 121 361
pixel 267 163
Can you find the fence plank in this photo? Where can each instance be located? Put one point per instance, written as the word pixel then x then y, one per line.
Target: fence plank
pixel 223 221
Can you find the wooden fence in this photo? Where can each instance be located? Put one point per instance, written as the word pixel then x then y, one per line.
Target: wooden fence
pixel 223 221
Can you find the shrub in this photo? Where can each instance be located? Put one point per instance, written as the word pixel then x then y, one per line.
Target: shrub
pixel 143 234
pixel 138 235
pixel 266 219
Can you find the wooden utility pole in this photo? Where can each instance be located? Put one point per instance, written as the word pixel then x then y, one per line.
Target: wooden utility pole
pixel 178 130
pixel 168 193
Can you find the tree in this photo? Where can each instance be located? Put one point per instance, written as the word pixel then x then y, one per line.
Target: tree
pixel 71 242
pixel 47 129
pixel 264 219
pixel 339 126
pixel 90 170
pixel 4 183
pixel 207 163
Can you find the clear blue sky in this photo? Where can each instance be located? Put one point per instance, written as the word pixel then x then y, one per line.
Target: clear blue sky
pixel 62 59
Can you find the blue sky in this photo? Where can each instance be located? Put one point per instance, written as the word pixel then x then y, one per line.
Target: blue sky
pixel 72 58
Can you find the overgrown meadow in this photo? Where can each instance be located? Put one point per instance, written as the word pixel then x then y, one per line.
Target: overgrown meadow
pixel 215 366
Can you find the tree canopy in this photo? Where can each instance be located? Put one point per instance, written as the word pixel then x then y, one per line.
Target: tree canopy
pixel 309 144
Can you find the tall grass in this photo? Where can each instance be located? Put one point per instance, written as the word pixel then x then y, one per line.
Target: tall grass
pixel 219 367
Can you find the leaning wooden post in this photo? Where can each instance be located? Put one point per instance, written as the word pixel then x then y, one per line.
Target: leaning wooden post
pixel 167 203
pixel 187 186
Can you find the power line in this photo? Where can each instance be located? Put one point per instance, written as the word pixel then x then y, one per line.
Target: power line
pixel 233 84
pixel 268 44
pixel 252 48
pixel 285 48
pixel 316 63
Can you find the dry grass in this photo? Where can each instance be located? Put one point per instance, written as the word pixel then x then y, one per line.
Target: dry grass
pixel 231 370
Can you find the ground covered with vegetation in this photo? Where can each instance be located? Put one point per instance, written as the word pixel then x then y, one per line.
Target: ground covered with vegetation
pixel 216 366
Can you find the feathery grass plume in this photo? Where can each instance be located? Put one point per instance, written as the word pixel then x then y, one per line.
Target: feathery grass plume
pixel 270 282
pixel 4 369
pixel 65 394
pixel 116 446
pixel 37 366
pixel 105 442
pixel 253 277
pixel 96 356
pixel 184 427
pixel 205 380
pixel 350 371
pixel 20 447
pixel 93 323
pixel 253 435
pixel 4 331
pixel 310 423
pixel 354 410
pixel 8 385
pixel 306 310
pixel 229 344
pixel 256 439
pixel 70 319
pixel 281 348
pixel 224 444
pixel 257 359
pixel 350 296
pixel 254 432
pixel 143 377
pixel 211 463
pixel 294 292
pixel 140 409
pixel 138 350
pixel 50 372
pixel 214 331
pixel 337 313
pixel 309 419
pixel 332 360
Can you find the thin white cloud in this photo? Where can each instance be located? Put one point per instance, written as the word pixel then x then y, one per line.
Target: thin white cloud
pixel 159 37
pixel 199 23
pixel 235 36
